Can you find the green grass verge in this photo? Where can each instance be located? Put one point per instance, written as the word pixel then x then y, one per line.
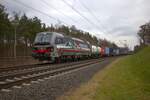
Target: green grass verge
pixel 128 79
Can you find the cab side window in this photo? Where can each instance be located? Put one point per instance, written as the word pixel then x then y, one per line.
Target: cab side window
pixel 83 45
pixel 59 40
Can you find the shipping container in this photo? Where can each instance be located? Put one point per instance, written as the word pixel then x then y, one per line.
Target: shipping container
pixel 107 51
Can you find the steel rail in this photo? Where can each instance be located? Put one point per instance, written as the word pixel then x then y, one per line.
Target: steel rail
pixel 42 75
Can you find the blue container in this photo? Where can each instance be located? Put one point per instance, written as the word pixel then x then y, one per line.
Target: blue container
pixel 111 51
pixel 107 51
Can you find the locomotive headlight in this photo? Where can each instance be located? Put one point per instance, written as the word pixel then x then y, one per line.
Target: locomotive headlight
pixel 50 49
pixel 42 48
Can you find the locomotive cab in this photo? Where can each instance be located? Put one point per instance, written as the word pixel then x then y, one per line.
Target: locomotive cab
pixel 44 45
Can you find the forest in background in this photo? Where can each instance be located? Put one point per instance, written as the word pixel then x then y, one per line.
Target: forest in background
pixel 23 29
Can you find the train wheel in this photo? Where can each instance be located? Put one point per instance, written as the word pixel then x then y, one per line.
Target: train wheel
pixel 58 60
pixel 73 58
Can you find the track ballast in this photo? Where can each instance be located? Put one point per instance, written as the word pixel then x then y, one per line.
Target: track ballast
pixel 33 74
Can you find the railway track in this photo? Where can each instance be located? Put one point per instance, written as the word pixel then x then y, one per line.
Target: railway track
pixel 15 69
pixel 22 76
pixel 6 69
pixel 23 67
pixel 36 69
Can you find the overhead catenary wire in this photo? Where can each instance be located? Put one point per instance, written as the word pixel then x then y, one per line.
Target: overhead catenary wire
pixel 50 6
pixel 92 14
pixel 29 7
pixel 56 19
pixel 80 14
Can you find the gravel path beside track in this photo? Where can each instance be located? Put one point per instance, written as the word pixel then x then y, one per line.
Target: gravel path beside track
pixel 50 88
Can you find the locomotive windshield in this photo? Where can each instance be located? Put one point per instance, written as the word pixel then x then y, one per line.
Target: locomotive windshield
pixel 43 38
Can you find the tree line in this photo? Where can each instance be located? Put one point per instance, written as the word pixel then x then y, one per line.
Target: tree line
pixel 144 33
pixel 26 28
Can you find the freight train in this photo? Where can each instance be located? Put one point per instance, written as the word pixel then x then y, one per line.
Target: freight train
pixel 56 47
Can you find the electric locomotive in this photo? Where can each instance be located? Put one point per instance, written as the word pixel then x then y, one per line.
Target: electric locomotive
pixel 57 47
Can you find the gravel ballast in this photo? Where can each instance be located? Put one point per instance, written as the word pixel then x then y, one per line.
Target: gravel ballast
pixel 49 89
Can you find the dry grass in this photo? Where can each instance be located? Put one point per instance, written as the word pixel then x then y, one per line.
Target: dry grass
pixel 86 91
pixel 126 78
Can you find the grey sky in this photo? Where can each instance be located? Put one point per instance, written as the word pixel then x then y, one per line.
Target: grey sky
pixel 118 20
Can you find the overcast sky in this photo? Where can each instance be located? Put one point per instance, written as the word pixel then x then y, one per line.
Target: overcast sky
pixel 115 20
